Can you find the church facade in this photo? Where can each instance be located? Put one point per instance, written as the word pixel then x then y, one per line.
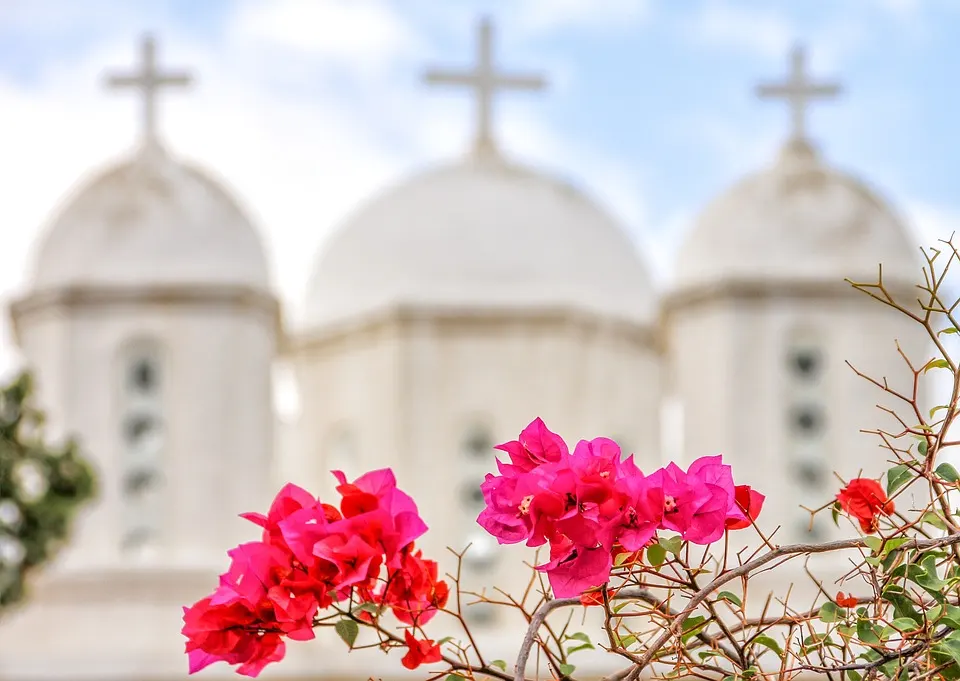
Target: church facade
pixel 443 316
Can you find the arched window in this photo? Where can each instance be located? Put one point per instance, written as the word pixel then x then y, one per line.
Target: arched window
pixel 477 457
pixel 142 436
pixel 477 445
pixel 805 358
pixel 807 425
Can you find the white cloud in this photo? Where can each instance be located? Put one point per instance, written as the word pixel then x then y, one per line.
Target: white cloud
pixel 765 32
pixel 770 34
pixel 547 16
pixel 350 33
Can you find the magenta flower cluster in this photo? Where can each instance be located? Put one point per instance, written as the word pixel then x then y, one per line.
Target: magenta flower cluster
pixel 594 504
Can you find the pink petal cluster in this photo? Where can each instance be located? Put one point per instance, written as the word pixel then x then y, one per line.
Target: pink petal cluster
pixel 310 556
pixel 594 504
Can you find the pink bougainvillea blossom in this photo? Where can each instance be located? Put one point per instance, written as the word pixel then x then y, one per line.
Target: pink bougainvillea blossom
pixel 592 503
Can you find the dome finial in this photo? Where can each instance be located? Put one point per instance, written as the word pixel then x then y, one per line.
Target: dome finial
pixel 149 80
pixel 798 91
pixel 485 81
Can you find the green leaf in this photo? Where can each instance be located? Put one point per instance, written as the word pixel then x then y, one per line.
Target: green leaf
pixel 902 604
pixel 730 597
pixel 835 513
pixel 946 651
pixel 936 364
pixel 867 632
pixel 585 642
pixel 873 543
pixel 829 612
pixel 948 472
pixel 445 640
pixel 897 477
pixel 933 518
pixel 348 631
pixel 922 446
pixel 672 544
pixel 769 643
pixel 951 617
pixel 892 544
pixel 453 677
pixel 621 558
pixel 904 624
pixel 626 640
pixel 656 554
pixel 566 669
pixel 499 663
pixel 929 579
pixel 693 626
pixel 372 608
pixel 949 329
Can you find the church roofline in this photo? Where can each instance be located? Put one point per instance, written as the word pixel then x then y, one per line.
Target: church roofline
pixel 695 295
pixel 305 340
pixel 81 296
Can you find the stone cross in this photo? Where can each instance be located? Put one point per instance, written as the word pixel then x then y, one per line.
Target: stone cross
pixel 485 81
pixel 798 91
pixel 149 80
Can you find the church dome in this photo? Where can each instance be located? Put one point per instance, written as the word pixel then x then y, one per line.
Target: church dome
pixel 481 233
pixel 151 220
pixel 797 221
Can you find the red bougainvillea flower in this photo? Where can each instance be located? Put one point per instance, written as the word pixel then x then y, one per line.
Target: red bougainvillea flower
pixel 419 652
pixel 750 501
pixel 595 597
pixel 311 555
pixel 413 592
pixel 228 633
pixel 865 500
pixel 846 601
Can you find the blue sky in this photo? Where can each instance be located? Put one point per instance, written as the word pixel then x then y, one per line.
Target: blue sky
pixel 307 107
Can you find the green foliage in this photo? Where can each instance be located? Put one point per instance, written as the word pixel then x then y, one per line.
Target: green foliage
pixel 348 630
pixel 41 489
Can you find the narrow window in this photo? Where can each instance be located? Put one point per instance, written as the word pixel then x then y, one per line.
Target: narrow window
pixel 142 437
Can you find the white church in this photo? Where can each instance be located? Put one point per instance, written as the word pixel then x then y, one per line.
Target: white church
pixel 450 310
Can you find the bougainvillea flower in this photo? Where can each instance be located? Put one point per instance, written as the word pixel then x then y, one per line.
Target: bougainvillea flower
pixel 865 500
pixel 643 509
pixel 591 598
pixel 537 445
pixel 696 503
pixel 846 601
pixel 229 633
pixel 419 652
pixel 750 502
pixel 311 555
pixel 574 569
pixel 413 592
pixel 288 501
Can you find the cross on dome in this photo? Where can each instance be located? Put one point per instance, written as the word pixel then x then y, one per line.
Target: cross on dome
pixel 149 80
pixel 485 81
pixel 798 91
